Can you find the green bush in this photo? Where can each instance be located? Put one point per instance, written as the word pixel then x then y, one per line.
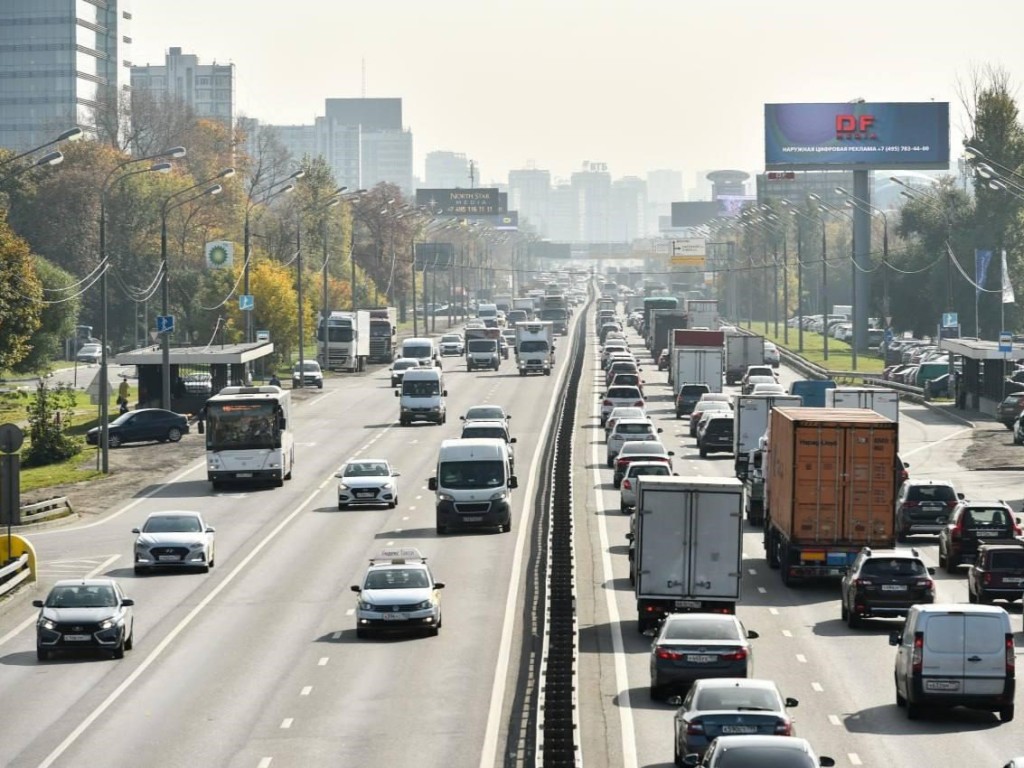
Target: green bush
pixel 48 414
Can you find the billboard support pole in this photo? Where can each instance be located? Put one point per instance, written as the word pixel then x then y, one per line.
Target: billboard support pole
pixel 862 260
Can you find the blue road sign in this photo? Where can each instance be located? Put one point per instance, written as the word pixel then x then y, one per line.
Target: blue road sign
pixel 164 323
pixel 949 320
pixel 1005 342
pixel 247 301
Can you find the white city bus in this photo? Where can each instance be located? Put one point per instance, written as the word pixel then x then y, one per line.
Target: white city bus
pixel 248 435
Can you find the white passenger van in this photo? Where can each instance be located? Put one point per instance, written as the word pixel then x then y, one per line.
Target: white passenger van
pixel 474 483
pixel 422 396
pixel 955 654
pixel 422 349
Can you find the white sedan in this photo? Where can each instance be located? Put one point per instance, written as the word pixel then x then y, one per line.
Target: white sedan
pixel 367 482
pixel 771 355
pixel 174 540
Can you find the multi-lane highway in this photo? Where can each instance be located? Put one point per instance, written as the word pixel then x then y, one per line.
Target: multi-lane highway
pixel 257 663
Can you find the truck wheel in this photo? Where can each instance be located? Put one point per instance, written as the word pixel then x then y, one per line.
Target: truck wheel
pixel 703 453
pixel 771 550
pixel 951 563
pixel 547 372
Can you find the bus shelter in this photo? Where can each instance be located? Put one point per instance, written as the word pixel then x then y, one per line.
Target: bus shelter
pixel 982 380
pixel 197 373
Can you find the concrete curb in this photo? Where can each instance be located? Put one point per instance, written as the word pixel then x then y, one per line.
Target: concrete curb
pixel 945 412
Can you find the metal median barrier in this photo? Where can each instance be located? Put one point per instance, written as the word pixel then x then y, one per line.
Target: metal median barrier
pixel 20 564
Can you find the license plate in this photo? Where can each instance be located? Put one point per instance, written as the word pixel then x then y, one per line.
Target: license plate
pixel 986 534
pixel 169 558
pixel 364 493
pixel 694 658
pixel 1012 579
pixel 942 685
pixel 243 474
pixel 894 587
pixel 739 729
pixel 687 604
pixel 472 519
pixel 78 638
pixel 394 617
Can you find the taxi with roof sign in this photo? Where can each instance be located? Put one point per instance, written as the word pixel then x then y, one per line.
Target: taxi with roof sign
pixel 398 594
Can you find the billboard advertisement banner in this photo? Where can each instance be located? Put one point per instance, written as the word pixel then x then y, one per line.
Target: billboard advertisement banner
pixel 484 201
pixel 852 136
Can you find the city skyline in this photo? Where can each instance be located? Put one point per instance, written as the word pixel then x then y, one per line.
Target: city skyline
pixel 648 86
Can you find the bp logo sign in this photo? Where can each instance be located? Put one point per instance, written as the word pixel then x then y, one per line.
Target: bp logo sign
pixel 219 254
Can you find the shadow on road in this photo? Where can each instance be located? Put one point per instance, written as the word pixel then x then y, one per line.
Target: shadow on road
pixel 890 720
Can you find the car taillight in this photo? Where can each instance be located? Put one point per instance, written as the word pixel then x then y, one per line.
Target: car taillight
pixel 607 402
pixel 738 655
pixel 784 728
pixel 638 404
pixel 1010 652
pixel 695 728
pixel 987 578
pixel 863 582
pixel 667 653
pixel 908 504
pixel 626 485
pixel 958 529
pixel 917 659
pixel 1016 530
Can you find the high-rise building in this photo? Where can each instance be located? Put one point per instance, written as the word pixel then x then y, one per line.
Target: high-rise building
pixel 447 170
pixel 208 89
pixel 664 187
pixel 562 225
pixel 592 196
pixel 62 60
pixel 628 209
pixel 529 192
pixel 362 140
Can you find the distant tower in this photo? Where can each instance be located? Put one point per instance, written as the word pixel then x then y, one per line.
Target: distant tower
pixel 727 183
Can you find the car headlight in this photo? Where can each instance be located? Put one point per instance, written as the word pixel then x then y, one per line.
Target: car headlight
pixel 342 487
pixel 197 545
pixel 424 606
pixel 46 624
pixel 499 496
pixel 387 486
pixel 445 497
pixel 108 623
pixel 364 605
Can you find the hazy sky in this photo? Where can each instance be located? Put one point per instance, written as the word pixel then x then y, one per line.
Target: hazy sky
pixel 637 84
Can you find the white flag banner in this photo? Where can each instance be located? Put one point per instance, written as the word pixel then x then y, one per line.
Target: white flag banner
pixel 219 254
pixel 1008 297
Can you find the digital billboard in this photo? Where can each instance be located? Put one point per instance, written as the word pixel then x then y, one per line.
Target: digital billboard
pixel 483 201
pixel 857 136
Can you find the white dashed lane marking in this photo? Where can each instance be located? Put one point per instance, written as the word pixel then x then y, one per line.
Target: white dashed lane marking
pixel 854 758
pixel 773 611
pixel 801 658
pixel 762 590
pixel 287 722
pixel 323 661
pixel 265 762
pixel 306 690
pixel 817 687
pixel 786 633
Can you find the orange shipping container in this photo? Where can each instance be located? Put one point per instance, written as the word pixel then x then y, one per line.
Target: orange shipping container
pixel 830 477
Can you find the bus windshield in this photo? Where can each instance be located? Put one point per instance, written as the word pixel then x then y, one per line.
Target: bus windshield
pixel 236 426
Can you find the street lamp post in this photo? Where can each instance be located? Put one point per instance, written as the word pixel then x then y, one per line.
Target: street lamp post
pixel 72 134
pixel 165 288
pixel 51 158
pixel 104 388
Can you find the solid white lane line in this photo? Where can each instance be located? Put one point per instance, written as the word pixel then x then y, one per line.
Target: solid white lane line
pixel 306 690
pixel 322 662
pixel 489 750
pixel 626 725
pixel 31 619
pixel 801 658
pixel 173 634
pixel 287 722
pixel 834 719
pixel 817 687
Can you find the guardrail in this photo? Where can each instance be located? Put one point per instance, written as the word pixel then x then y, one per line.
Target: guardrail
pixel 59 506
pixel 21 566
pixel 813 371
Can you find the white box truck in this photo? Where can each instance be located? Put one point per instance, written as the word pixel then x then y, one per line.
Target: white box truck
pixel 878 399
pixel 348 340
pixel 697 365
pixel 741 351
pixel 751 414
pixel 535 347
pixel 688 546
pixel 526 304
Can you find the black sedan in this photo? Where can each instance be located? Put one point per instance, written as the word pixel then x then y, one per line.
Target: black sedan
pixel 142 425
pixel 694 646
pixel 90 614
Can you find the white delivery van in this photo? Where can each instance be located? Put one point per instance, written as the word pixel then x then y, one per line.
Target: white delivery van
pixel 474 483
pixel 422 396
pixel 955 654
pixel 422 349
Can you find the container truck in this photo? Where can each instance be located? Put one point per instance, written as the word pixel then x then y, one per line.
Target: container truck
pixel 687 546
pixel 741 351
pixel 750 422
pixel 829 489
pixel 535 347
pixel 877 399
pixel 703 313
pixel 663 323
pixel 383 334
pixel 347 343
pixel 680 338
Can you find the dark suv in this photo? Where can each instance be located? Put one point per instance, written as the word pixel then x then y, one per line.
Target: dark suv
pixel 972 524
pixel 884 584
pixel 689 395
pixel 717 435
pixel 923 506
pixel 997 574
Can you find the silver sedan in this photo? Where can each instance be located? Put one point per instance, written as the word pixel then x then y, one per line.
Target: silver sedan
pixel 174 540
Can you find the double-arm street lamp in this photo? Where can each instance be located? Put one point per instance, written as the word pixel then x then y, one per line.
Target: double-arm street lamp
pixel 855 320
pixel 50 158
pixel 112 177
pixel 170 203
pixel 72 134
pixel 798 214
